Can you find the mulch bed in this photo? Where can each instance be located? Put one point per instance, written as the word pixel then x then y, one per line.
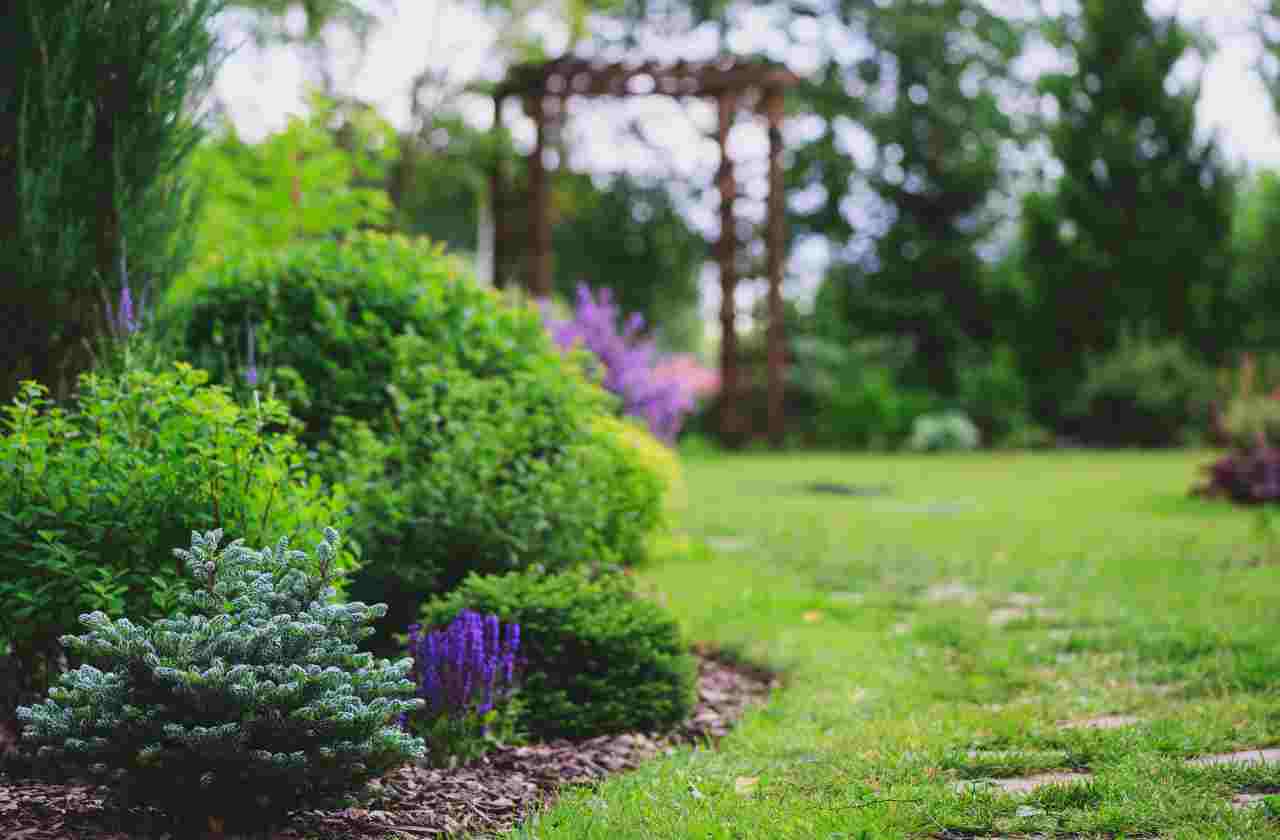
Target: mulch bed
pixel 484 797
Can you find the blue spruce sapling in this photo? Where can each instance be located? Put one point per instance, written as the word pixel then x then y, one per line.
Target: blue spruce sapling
pixel 251 702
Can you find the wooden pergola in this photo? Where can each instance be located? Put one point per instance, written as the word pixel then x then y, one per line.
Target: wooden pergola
pixel 545 88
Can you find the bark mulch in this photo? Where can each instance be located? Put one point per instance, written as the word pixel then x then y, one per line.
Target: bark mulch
pixel 484 797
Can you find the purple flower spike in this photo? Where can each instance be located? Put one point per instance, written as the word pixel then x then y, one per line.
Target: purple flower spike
pixel 251 374
pixel 466 667
pixel 128 320
pixel 632 369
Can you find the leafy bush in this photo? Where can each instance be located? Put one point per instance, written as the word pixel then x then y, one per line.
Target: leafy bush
pixel 849 394
pixel 1144 393
pixel 994 394
pixel 943 433
pixel 297 183
pixel 465 674
pixel 95 495
pixel 597 658
pixel 1245 477
pixel 489 475
pixel 323 315
pixel 247 704
pixel 654 456
pixel 1252 422
pixel 629 363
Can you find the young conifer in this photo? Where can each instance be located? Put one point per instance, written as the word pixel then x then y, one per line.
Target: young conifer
pixel 247 704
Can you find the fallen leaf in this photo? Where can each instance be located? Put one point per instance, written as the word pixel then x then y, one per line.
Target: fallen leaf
pixel 745 785
pixel 812 616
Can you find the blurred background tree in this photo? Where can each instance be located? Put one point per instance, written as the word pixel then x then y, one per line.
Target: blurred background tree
pixel 1134 237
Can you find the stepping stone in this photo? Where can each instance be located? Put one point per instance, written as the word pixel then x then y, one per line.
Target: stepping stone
pixel 1102 722
pixel 1270 756
pixel 729 543
pixel 1247 800
pixel 1024 599
pixel 951 591
pixel 1007 615
pixel 1024 784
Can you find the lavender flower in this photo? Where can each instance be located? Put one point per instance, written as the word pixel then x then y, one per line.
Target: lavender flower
pixel 631 365
pixel 128 321
pixel 463 668
pixel 251 373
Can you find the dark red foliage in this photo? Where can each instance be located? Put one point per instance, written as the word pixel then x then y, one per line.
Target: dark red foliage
pixel 1249 478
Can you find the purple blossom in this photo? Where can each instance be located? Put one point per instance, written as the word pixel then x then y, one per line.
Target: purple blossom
pixel 251 373
pixel 128 321
pixel 463 667
pixel 631 363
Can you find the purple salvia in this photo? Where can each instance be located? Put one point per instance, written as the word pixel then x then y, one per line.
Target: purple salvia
pixel 251 373
pixel 128 322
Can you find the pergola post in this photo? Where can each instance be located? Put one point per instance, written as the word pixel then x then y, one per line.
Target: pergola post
pixel 540 206
pixel 497 200
pixel 727 253
pixel 775 242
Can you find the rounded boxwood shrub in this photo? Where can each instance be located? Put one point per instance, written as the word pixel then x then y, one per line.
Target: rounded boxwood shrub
pixel 95 494
pixel 249 702
pixel 488 475
pixel 596 657
pixel 315 322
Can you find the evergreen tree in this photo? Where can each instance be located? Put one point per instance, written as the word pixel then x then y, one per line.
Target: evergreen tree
pixel 933 110
pixel 247 704
pixel 94 129
pixel 1134 236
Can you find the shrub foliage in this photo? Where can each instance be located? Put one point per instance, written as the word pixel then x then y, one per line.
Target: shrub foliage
pixel 489 475
pixel 320 318
pixel 95 495
pixel 248 703
pixel 597 658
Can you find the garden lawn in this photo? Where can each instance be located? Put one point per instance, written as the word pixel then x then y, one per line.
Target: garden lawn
pixel 939 636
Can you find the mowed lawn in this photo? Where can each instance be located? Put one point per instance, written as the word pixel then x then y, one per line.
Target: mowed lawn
pixel 941 635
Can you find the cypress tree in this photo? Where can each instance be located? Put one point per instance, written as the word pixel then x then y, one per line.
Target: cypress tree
pixel 94 130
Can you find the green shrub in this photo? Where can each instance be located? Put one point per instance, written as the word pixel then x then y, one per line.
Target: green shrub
pixel 95 495
pixel 597 658
pixel 944 432
pixel 994 394
pixel 489 475
pixel 1144 393
pixel 323 315
pixel 1252 421
pixel 247 704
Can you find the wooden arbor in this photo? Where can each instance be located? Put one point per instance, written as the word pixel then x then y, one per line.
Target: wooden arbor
pixel 545 88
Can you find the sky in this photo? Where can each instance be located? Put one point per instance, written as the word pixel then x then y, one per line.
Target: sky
pixel 261 88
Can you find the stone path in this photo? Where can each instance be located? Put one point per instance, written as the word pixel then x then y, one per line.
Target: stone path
pixel 1027 784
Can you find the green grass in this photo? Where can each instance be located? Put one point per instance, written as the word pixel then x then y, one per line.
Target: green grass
pixel 898 685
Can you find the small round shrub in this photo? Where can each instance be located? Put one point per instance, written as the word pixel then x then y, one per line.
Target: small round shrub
pixel 95 495
pixel 1144 393
pixel 597 658
pixel 248 703
pixel 488 475
pixel 319 318
pixel 946 432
